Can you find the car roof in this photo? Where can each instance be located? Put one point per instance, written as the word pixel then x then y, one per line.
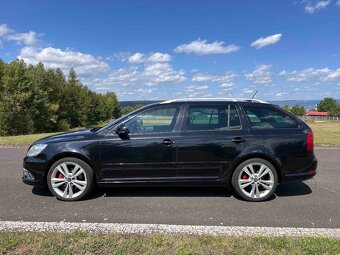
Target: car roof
pixel 191 100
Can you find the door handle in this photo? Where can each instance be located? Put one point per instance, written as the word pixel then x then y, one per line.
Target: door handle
pixel 238 140
pixel 168 142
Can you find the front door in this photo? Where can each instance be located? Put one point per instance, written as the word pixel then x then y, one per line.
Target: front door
pixel 150 152
pixel 211 138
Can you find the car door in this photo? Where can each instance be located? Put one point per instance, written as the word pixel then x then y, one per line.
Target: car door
pixel 211 138
pixel 149 153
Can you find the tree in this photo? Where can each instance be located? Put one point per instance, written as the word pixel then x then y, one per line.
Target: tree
pixel 335 112
pixel 327 104
pixel 16 100
pixel 129 109
pixel 298 110
pixel 286 107
pixel 34 100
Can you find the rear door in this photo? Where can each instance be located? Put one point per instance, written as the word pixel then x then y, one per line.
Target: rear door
pixel 211 138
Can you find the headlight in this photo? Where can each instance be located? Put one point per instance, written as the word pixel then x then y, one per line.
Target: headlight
pixel 36 149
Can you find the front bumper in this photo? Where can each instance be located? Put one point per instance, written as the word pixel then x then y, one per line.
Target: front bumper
pixel 34 171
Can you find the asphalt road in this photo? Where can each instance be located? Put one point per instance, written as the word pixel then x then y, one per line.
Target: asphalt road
pixel 314 203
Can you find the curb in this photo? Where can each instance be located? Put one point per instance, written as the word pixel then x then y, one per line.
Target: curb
pixel 145 229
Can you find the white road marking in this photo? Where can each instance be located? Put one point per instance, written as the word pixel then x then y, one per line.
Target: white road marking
pixel 13 226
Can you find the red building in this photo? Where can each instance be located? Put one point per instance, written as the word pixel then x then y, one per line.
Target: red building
pixel 314 113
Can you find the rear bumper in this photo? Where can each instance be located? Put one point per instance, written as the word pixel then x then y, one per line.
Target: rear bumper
pixel 303 175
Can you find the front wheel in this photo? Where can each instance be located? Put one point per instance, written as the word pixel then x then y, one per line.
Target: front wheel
pixel 255 180
pixel 70 179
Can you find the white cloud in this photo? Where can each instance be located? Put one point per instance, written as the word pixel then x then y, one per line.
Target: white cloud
pixel 197 91
pixel 306 74
pixel 159 57
pixel 144 91
pixel 196 94
pixel 29 38
pixel 313 6
pixel 281 94
pixel 203 77
pixel 338 3
pixel 4 29
pixel 150 74
pixel 331 75
pixel 194 88
pixel 227 86
pixel 201 47
pixel 8 34
pixel 161 73
pixel 247 91
pixel 84 64
pixel 265 41
pixel 226 80
pixel 136 58
pixel 321 74
pixel 261 75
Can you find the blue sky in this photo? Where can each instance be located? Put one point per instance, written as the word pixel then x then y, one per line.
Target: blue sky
pixel 173 49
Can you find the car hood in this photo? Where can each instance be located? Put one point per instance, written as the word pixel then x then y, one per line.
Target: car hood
pixel 69 136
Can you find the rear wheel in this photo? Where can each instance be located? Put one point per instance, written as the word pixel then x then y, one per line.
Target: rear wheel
pixel 70 179
pixel 255 180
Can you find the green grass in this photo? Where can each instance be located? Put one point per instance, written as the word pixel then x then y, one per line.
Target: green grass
pixel 28 139
pixel 325 133
pixel 86 243
pixel 22 139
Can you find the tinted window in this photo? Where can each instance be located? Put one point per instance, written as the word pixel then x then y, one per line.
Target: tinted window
pixel 154 120
pixel 265 117
pixel 202 117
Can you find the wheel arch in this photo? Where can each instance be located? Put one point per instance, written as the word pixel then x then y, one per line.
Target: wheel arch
pixel 267 157
pixel 70 155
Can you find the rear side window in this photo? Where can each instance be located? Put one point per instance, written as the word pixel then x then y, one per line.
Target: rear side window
pixel 204 117
pixel 266 117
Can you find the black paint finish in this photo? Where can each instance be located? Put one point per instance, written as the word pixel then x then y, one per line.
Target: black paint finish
pixel 181 157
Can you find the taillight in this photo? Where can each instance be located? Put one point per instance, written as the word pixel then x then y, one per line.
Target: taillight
pixel 310 141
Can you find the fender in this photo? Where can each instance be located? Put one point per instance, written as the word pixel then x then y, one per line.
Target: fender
pixel 254 152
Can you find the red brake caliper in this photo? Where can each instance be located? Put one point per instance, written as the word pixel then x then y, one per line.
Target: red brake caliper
pixel 244 177
pixel 60 176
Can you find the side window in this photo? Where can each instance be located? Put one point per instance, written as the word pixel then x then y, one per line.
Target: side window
pixel 266 117
pixel 154 120
pixel 204 117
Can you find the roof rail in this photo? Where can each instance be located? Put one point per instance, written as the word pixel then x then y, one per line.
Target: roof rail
pixel 215 99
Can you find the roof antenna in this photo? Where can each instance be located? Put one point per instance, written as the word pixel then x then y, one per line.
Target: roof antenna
pixel 254 94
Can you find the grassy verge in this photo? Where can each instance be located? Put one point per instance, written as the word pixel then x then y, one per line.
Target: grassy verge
pixel 325 133
pixel 87 243
pixel 28 139
pixel 22 139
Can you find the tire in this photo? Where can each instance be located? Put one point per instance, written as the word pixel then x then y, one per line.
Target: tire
pixel 67 187
pixel 249 185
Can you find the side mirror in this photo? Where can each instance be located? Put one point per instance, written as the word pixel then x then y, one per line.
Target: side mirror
pixel 123 132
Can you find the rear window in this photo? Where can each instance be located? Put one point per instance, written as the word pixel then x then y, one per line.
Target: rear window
pixel 266 117
pixel 203 117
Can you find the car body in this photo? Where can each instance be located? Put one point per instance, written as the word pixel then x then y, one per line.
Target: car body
pixel 183 142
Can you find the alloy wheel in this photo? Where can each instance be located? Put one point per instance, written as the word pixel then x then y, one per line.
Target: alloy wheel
pixel 256 180
pixel 69 180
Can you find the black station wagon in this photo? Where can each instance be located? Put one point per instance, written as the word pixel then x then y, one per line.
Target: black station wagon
pixel 247 144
